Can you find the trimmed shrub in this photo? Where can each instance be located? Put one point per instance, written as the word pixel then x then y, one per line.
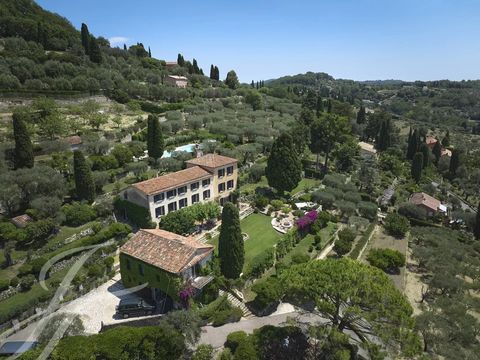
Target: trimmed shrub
pixel 367 209
pixel 27 282
pixel 234 339
pixel 387 260
pixel 324 198
pixel 77 214
pixel 347 234
pixel 396 225
pixel 4 284
pixel 268 293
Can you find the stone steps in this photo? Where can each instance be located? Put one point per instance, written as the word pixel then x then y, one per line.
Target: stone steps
pixel 247 314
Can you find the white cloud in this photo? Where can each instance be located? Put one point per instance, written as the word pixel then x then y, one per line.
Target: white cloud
pixel 117 40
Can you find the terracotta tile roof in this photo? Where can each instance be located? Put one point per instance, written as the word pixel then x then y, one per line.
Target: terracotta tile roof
pixel 212 160
pixel 21 220
pixel 165 250
pixel 172 180
pixel 425 200
pixel 73 140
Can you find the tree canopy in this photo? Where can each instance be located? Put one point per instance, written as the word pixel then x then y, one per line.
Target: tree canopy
pixel 353 296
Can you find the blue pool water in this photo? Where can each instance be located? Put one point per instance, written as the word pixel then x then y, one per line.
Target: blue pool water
pixel 187 148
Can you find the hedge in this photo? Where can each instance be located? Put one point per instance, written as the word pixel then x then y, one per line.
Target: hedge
pixel 362 241
pixel 138 215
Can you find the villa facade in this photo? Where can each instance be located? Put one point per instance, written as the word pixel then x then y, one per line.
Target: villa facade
pixel 210 177
pixel 168 262
pixel 177 81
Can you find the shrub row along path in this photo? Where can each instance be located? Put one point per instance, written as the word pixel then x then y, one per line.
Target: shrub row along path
pixel 323 254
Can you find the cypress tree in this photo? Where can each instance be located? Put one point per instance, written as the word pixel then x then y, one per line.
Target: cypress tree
pixel 230 243
pixel 180 60
pixel 384 136
pixel 84 184
pixel 413 144
pixel 95 54
pixel 454 161
pixel 217 73
pixel 361 115
pixel 85 34
pixel 437 151
pixel 425 150
pixel 212 72
pixel 23 145
pixel 196 69
pixel 252 85
pixel 476 229
pixel 446 139
pixel 124 47
pixel 417 166
pixel 155 142
pixel 149 52
pixel 283 166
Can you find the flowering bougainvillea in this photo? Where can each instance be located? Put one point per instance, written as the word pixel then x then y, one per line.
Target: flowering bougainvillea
pixel 308 219
pixel 185 296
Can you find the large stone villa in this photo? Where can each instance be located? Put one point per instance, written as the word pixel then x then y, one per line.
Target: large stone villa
pixel 210 177
pixel 167 262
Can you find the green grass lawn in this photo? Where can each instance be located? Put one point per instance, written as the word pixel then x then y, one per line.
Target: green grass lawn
pixel 306 184
pixel 65 232
pixel 261 235
pixel 250 188
pixel 304 244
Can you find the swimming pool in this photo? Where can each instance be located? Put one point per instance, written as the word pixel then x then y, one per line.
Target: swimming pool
pixel 188 148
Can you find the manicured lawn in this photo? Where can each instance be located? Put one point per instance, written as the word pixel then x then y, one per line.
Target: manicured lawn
pixel 250 188
pixel 66 232
pixel 261 235
pixel 304 244
pixel 306 184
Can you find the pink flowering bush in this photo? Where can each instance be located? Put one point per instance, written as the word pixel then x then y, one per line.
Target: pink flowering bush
pixel 303 223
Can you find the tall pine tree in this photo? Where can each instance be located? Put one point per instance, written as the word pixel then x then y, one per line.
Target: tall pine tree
pixel 85 35
pixel 361 118
pixel 417 166
pixel 23 145
pixel 230 243
pixel 155 144
pixel 84 185
pixel 284 168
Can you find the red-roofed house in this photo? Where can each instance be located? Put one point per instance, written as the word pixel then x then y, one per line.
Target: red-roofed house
pixel 177 81
pixel 431 141
pixel 210 177
pixel 21 221
pixel 431 205
pixel 166 261
pixel 74 141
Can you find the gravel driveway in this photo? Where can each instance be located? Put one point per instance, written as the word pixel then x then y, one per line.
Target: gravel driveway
pixel 95 307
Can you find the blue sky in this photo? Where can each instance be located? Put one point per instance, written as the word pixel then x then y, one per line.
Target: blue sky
pixel 263 39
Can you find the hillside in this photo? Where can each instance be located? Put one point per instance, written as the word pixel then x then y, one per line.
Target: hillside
pixel 42 52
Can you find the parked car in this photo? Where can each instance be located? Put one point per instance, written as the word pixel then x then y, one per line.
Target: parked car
pixel 134 307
